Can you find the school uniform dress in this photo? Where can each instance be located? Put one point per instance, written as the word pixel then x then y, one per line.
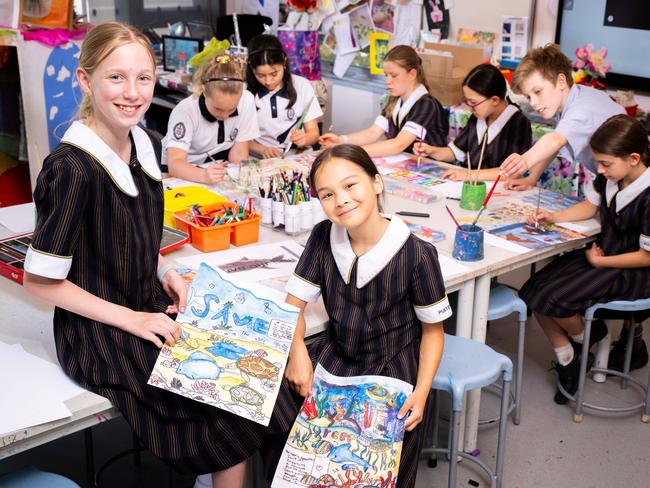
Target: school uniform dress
pixel 570 285
pixel 420 111
pixel 196 131
pixel 376 304
pixel 276 120
pixel 509 133
pixel 100 226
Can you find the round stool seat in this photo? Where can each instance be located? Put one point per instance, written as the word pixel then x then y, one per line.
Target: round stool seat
pixel 35 478
pixel 503 302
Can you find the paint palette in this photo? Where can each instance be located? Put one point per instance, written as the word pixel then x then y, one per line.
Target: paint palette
pixel 12 257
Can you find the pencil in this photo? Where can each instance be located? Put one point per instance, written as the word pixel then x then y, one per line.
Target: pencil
pixel 539 196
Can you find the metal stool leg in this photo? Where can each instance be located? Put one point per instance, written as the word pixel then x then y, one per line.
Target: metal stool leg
pixel 646 411
pixel 503 425
pixel 433 458
pixel 520 371
pixel 454 429
pixel 628 354
pixel 577 416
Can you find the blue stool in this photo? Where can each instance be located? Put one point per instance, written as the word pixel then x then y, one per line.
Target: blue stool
pixel 467 365
pixel 630 310
pixel 34 478
pixel 503 302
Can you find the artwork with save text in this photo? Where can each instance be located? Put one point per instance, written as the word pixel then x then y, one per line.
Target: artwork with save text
pixel 347 434
pixel 233 347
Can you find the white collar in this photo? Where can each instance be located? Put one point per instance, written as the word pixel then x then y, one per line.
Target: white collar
pixel 494 129
pixel 376 259
pixel 80 135
pixel 627 194
pixel 401 109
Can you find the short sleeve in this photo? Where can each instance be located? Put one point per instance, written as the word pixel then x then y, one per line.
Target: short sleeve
pixel 61 197
pixel 577 127
pixel 591 194
pixel 181 127
pixel 428 288
pixel 382 122
pixel 305 282
pixel 428 117
pixel 644 237
pixel 247 128
pixel 460 144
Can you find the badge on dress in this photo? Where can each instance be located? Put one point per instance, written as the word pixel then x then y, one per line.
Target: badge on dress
pixel 234 133
pixel 291 113
pixel 179 130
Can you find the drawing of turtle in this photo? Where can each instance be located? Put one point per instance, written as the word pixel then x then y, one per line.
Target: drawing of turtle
pixel 245 395
pixel 253 364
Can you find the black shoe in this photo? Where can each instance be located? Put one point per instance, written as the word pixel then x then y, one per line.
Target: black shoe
pixel 617 354
pixel 569 376
pixel 598 333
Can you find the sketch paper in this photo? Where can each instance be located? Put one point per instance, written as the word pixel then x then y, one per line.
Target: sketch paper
pixel 347 429
pixel 408 18
pixel 425 233
pixel 529 237
pixel 345 40
pixel 451 268
pixel 252 263
pixel 233 349
pixel 361 25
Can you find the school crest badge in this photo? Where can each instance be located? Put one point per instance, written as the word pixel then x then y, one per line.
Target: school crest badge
pixel 291 113
pixel 179 130
pixel 234 133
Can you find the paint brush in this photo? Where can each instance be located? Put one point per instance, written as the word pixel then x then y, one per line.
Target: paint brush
pixel 299 123
pixel 539 196
pixel 452 216
pixel 469 167
pixel 421 141
pixel 480 159
pixel 487 198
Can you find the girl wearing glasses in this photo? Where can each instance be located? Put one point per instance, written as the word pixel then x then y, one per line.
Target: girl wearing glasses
pixel 411 113
pixel 495 123
pixel 215 123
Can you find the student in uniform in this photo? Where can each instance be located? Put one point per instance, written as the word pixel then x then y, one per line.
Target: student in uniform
pixel 281 99
pixel 617 267
pixel 216 123
pixel 382 288
pixel 496 129
pixel 411 114
pixel 544 77
pixel 95 255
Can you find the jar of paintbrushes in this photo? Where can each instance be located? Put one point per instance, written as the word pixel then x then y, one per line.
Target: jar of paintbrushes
pixel 473 192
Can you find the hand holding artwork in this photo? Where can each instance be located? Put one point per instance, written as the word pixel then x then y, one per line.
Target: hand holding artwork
pixel 176 288
pixel 593 255
pixel 153 326
pixel 414 403
pixel 299 372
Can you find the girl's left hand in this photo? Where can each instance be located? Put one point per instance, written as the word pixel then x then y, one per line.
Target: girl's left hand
pixel 415 403
pixel 176 288
pixel 299 137
pixel 593 254
pixel 455 174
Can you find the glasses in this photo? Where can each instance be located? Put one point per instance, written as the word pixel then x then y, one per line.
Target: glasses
pixel 474 105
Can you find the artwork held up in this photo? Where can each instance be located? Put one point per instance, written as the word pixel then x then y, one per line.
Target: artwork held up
pixel 233 347
pixel 347 433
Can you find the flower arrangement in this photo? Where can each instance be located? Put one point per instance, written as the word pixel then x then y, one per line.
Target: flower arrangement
pixel 590 65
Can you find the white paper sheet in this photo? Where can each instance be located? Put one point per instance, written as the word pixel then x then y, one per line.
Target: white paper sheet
pixel 19 218
pixel 451 267
pixel 504 244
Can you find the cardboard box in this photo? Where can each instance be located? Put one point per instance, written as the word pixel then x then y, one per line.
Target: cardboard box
pixel 445 67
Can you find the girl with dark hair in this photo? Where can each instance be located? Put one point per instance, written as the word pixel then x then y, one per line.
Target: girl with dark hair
pixel 411 113
pixel 617 267
pixel 495 123
pixel 281 98
pixel 383 292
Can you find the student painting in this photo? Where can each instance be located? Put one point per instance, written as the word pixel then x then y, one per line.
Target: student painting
pixel 617 267
pixel 382 288
pixel 496 128
pixel 544 77
pixel 95 255
pixel 216 123
pixel 281 99
pixel 412 112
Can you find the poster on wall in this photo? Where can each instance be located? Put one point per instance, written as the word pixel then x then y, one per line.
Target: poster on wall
pixel 383 15
pixel 379 47
pixel 514 38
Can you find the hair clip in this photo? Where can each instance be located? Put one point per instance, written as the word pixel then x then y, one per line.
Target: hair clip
pixel 264 49
pixel 223 59
pixel 222 78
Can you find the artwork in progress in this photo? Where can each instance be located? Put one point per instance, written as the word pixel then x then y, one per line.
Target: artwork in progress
pixel 425 233
pixel 535 238
pixel 233 347
pixel 551 201
pixel 347 434
pixel 508 212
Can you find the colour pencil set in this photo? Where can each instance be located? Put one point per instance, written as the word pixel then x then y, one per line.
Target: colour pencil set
pixel 290 188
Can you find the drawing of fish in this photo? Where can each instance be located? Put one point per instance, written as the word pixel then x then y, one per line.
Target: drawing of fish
pixel 245 264
pixel 343 455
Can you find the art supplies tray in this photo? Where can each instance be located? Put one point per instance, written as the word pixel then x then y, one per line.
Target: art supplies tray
pixel 210 238
pixel 184 197
pixel 12 256
pixel 172 239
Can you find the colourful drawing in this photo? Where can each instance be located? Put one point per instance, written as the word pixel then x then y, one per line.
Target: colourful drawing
pixel 411 164
pixel 551 201
pixel 361 25
pixel 383 15
pixel 347 434
pixel 379 46
pixel 508 212
pixel 426 233
pixel 535 238
pixel 414 178
pixel 233 348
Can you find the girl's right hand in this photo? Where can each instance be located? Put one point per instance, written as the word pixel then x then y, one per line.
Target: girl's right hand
pixel 270 152
pixel 329 139
pixel 149 326
pixel 455 174
pixel 422 149
pixel 299 372
pixel 215 173
pixel 542 217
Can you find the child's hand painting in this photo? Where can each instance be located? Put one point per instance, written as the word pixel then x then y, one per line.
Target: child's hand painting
pixel 415 404
pixel 455 174
pixel 422 149
pixel 541 217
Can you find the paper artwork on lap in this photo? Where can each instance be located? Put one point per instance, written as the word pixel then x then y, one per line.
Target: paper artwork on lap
pixel 233 348
pixel 347 433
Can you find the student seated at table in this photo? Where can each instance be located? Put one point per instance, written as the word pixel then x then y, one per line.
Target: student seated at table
pixel 544 76
pixel 496 129
pixel 383 292
pixel 616 267
pixel 215 123
pixel 281 99
pixel 412 113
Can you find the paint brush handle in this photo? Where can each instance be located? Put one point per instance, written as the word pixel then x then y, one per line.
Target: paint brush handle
pixel 494 185
pixel 478 215
pixel 452 217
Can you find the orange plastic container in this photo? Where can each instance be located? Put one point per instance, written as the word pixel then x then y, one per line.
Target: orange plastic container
pixel 217 238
